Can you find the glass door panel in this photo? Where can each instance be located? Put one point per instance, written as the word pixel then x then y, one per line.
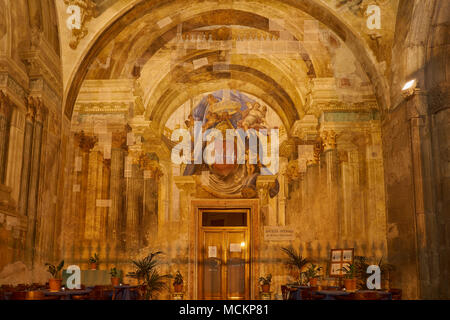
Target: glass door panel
pixel 236 264
pixel 212 266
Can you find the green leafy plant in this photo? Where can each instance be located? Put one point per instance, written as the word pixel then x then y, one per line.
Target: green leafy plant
pixel 114 273
pixel 312 272
pixel 55 270
pixel 267 280
pixel 94 258
pixel 178 279
pixel 351 271
pixel 149 278
pixel 295 262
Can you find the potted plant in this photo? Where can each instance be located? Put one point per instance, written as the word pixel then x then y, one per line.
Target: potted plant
pixel 178 282
pixel 265 283
pixel 151 281
pixel 362 264
pixel 312 274
pixel 54 283
pixel 295 263
pixel 93 262
pixel 115 277
pixel 350 277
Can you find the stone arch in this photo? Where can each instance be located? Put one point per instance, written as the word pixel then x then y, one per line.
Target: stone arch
pixel 317 11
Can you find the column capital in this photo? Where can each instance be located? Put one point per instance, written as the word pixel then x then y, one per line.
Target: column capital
pixel 328 140
pixel 185 183
pixel 4 103
pixel 86 143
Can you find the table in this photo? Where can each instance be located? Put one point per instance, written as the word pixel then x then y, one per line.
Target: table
pixel 123 292
pixel 67 294
pixel 331 294
pixel 385 294
pixel 297 295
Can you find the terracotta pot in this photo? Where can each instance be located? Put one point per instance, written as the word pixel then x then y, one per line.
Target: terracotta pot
pixel 265 288
pixel 313 282
pixel 115 281
pixel 350 284
pixel 54 285
pixel 93 266
pixel 178 287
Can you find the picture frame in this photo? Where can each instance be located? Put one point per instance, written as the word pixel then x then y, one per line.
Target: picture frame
pixel 340 258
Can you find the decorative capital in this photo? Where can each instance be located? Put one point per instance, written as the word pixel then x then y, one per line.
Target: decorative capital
pixel 329 140
pixel 185 183
pixel 119 140
pixel 85 142
pixel 318 149
pixel 4 103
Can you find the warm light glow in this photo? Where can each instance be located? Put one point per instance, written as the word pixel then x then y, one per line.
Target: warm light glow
pixel 242 244
pixel 409 85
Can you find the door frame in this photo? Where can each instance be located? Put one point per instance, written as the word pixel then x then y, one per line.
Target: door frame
pixel 224 252
pixel 255 231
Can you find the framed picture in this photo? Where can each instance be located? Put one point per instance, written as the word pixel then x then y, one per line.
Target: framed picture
pixel 340 258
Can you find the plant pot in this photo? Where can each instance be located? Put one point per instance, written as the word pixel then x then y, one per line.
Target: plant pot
pixel 93 266
pixel 178 288
pixel 115 281
pixel 350 285
pixel 54 285
pixel 265 288
pixel 313 282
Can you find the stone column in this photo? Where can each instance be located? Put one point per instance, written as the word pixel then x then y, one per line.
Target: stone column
pixel 186 185
pixel 26 160
pixel 4 110
pixel 15 152
pixel 330 152
pixel 132 201
pixel 86 144
pixel 263 184
pixel 34 175
pixel 116 191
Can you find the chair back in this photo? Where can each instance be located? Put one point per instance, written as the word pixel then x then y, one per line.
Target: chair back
pixel 18 295
pixel 396 294
pixel 35 295
pixel 368 295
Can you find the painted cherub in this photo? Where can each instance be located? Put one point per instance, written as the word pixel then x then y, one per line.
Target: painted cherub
pixel 211 119
pixel 253 117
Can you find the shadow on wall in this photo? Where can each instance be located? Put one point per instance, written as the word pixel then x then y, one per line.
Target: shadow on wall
pixel 18 273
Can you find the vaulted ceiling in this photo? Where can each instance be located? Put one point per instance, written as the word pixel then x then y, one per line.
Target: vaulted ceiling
pixel 164 46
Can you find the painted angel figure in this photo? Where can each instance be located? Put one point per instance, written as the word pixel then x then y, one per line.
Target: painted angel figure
pixel 254 117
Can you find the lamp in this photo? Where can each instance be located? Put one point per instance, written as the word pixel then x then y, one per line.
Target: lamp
pixel 409 88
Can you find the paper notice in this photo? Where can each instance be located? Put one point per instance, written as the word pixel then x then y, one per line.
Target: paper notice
pixel 212 252
pixel 235 247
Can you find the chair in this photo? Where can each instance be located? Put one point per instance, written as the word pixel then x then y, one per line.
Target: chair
pixel 100 293
pixel 347 297
pixel 396 294
pixel 288 293
pixel 368 295
pixel 18 295
pixel 35 295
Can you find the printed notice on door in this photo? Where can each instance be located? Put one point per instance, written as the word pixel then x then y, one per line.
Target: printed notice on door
pixel 212 252
pixel 278 234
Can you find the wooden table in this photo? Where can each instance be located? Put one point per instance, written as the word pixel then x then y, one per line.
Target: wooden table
pixel 67 294
pixel 123 292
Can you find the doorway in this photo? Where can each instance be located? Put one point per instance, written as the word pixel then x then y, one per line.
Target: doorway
pixel 224 254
